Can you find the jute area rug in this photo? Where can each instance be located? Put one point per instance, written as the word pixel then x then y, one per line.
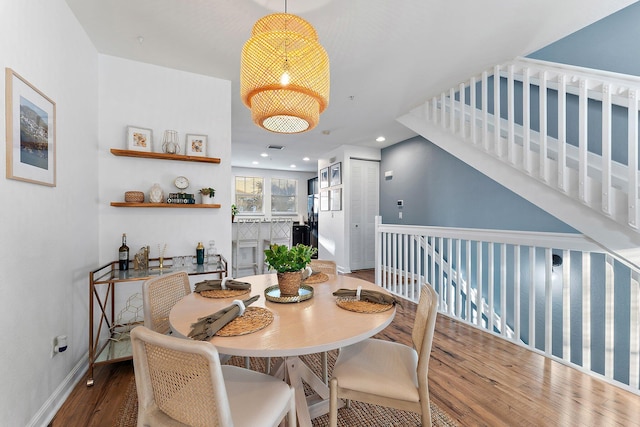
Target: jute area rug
pixel 359 414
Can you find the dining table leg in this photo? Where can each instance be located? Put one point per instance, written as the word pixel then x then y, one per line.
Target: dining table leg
pixel 307 407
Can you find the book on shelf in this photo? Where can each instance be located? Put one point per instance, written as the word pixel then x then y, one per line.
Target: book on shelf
pixel 178 201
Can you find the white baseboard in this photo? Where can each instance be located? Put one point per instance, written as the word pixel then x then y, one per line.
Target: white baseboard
pixel 50 408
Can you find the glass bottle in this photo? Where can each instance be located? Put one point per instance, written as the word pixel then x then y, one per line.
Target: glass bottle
pixel 212 253
pixel 200 253
pixel 123 254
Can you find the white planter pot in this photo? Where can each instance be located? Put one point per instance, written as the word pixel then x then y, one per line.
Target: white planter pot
pixel 207 200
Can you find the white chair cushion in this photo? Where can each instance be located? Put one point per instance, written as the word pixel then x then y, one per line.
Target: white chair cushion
pixel 255 399
pixel 379 367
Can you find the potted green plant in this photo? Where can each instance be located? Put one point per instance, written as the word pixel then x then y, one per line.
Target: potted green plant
pixel 234 212
pixel 207 195
pixel 289 263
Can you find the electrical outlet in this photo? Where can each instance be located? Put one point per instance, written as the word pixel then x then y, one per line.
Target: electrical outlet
pixel 59 345
pixel 400 215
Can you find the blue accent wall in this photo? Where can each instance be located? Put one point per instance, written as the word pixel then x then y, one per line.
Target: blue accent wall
pixel 440 190
pixel 610 44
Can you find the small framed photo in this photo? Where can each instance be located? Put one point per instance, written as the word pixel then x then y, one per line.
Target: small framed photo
pixel 31 132
pixel 324 200
pixel 139 139
pixel 196 145
pixel 335 199
pixel 335 174
pixel 324 178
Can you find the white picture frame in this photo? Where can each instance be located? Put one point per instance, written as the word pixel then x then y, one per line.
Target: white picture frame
pixel 335 199
pixel 31 132
pixel 335 174
pixel 139 139
pixel 196 145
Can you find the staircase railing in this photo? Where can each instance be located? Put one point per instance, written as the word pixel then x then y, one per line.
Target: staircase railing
pixel 585 122
pixel 558 294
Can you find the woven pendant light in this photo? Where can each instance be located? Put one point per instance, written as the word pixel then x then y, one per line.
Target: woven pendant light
pixel 284 74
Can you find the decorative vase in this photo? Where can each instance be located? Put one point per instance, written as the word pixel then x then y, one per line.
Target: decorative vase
pixel 156 195
pixel 289 282
pixel 170 142
pixel 207 199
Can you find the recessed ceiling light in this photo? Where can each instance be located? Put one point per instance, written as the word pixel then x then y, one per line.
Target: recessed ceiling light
pixel 381 139
pixel 264 155
pixel 255 163
pixel 293 166
pixel 306 159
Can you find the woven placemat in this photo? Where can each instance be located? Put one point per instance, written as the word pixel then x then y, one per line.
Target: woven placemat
pixel 253 319
pixel 224 293
pixel 362 306
pixel 316 278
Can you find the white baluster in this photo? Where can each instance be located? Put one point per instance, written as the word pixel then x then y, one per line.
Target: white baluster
pixel 632 148
pixel 503 290
pixel 473 108
pixel 562 133
pixel 583 116
pixel 463 107
pixel 609 316
pixel 586 310
pixel 526 120
pixel 511 140
pixel 497 145
pixel 485 111
pixel 548 301
pixel 543 126
pixel 467 278
pixel 606 149
pixel 452 110
pixel 490 287
pixel 443 111
pixel 532 297
pixel 516 293
pixel 479 304
pixel 566 305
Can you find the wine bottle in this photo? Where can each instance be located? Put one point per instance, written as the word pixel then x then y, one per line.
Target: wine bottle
pixel 123 254
pixel 200 253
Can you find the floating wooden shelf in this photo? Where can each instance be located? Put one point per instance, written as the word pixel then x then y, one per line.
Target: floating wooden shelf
pixel 162 205
pixel 164 156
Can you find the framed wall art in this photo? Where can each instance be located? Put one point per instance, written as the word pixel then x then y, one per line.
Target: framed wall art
pixel 324 178
pixel 31 132
pixel 335 199
pixel 335 174
pixel 139 139
pixel 196 145
pixel 324 200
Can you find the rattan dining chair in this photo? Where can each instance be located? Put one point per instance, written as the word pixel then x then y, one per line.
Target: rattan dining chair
pixel 159 295
pixel 181 382
pixel 386 373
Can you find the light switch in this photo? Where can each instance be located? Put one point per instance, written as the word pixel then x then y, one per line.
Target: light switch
pixel 400 215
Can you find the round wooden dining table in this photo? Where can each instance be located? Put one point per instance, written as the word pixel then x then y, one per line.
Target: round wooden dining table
pixel 311 326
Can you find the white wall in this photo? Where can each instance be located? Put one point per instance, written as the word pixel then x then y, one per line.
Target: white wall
pixel 334 232
pixel 133 93
pixel 268 174
pixel 159 98
pixel 49 235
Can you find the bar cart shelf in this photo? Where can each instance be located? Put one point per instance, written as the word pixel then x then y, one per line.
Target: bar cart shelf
pixel 108 341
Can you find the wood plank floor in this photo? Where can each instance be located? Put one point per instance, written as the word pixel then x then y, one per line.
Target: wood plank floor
pixel 478 379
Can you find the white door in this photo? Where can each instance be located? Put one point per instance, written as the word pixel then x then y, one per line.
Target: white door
pixel 364 187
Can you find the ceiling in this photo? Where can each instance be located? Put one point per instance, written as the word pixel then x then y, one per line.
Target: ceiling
pixel 386 56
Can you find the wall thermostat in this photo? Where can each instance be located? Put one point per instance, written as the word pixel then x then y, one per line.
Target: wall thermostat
pixel 400 203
